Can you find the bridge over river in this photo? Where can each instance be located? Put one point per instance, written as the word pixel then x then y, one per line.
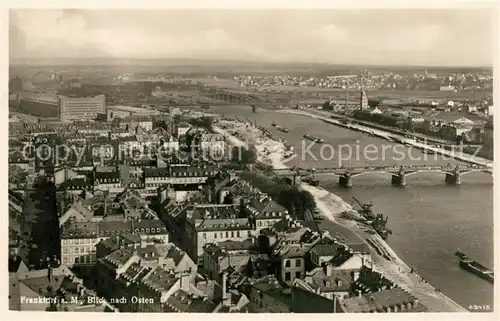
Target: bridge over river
pixel 398 174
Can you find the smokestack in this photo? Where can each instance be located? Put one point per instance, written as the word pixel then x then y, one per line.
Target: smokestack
pixel 224 285
pixel 346 94
pixel 185 282
pixel 49 273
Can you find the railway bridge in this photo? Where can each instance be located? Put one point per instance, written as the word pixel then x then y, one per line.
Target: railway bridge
pixel 398 174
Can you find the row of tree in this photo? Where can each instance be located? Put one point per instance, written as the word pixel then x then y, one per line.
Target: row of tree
pixel 295 200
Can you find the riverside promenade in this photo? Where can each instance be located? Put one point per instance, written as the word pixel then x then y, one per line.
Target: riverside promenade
pixel 331 207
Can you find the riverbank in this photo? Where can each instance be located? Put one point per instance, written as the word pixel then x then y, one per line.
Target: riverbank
pixel 269 152
pixel 389 136
pixel 384 258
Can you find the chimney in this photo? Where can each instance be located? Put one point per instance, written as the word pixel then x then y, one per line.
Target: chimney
pixel 226 296
pixel 185 282
pixel 49 273
pixel 224 285
pixel 329 270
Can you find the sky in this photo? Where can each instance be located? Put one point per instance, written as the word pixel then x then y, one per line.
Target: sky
pixel 437 37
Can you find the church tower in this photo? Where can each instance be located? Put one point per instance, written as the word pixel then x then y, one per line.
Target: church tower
pixel 363 103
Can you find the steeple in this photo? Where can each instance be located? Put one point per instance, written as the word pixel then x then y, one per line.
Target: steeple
pixel 363 104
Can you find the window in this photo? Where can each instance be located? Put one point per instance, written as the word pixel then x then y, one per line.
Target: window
pixel 227 234
pixel 77 250
pixel 298 263
pixel 232 233
pixel 82 250
pixel 215 235
pixel 204 236
pixel 238 233
pixel 65 250
pixel 249 233
pixel 297 275
pixel 287 263
pixel 287 276
pixel 65 260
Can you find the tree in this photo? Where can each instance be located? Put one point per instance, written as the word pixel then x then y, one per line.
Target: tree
pixel 327 105
pixel 373 103
pixel 244 156
pixel 229 199
pixel 207 122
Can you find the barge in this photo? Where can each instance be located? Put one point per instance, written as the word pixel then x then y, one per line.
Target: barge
pixel 474 267
pixel 314 139
pixel 282 129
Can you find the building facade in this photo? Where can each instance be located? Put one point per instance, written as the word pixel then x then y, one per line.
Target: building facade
pixel 81 108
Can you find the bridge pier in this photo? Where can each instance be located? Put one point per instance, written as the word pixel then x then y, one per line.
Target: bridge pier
pixel 345 180
pixel 453 179
pixel 399 179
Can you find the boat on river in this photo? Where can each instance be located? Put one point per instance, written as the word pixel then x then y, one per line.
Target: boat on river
pixel 377 221
pixel 474 267
pixel 314 139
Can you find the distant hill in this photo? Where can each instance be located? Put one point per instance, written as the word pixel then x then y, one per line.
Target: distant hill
pixel 231 66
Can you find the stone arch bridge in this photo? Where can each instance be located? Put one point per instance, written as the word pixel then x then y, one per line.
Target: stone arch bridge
pixel 398 174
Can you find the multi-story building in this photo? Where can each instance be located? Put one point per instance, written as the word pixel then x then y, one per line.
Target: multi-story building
pixel 150 279
pixel 219 256
pixel 215 223
pixel 107 181
pixel 79 239
pixel 267 295
pixel 178 175
pixel 16 85
pixel 81 108
pixel 52 289
pixel 211 145
pixel 265 210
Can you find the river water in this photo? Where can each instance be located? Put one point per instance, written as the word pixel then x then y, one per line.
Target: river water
pixel 429 219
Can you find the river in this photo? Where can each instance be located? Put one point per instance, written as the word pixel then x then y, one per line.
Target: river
pixel 429 219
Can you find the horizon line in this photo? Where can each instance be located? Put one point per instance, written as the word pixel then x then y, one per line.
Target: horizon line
pixel 242 61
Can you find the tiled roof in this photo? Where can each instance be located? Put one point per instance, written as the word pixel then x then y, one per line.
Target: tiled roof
pixel 215 212
pixel 328 249
pixel 160 280
pixel 182 301
pixel 380 301
pixel 338 281
pixel 111 228
pixel 293 251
